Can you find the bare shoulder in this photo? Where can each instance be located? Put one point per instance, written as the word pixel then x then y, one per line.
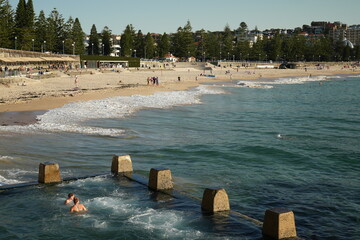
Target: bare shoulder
pixel 83 207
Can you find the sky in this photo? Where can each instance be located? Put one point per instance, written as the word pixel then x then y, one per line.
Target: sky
pixel 159 16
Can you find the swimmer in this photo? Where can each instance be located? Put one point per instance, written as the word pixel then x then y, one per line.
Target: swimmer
pixel 70 198
pixel 78 207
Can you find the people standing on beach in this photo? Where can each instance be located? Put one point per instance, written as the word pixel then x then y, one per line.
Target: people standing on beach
pixel 179 78
pixel 70 198
pixel 78 207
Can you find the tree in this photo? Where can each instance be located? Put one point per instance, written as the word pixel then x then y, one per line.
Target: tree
pixel 273 48
pixel 6 25
pixel 201 48
pixel 55 32
pixel 243 26
pixel 212 46
pixel 20 15
pixel 150 46
pixel 106 41
pixel 164 45
pixel 40 30
pixel 139 44
pixel 78 36
pixel 68 36
pixel 183 42
pixel 20 24
pixel 227 42
pixel 127 41
pixel 243 50
pixel 93 48
pixel 30 14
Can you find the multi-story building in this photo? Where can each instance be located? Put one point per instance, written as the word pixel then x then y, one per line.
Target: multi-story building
pixel 116 48
pixel 353 34
pixel 342 32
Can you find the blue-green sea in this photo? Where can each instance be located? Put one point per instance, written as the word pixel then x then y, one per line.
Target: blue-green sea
pixel 290 143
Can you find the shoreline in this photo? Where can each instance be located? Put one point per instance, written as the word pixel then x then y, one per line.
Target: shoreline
pixel 46 94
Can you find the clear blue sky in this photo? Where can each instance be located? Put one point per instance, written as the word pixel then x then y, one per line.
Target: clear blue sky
pixel 167 15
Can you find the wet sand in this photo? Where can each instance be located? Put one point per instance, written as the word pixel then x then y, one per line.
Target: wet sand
pixel 19 118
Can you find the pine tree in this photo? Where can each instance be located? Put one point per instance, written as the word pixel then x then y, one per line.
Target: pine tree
pixel 21 16
pixel 40 31
pixel 106 41
pixel 201 48
pixel 183 42
pixel 139 44
pixel 212 46
pixel 227 42
pixel 150 46
pixel 20 24
pixel 188 40
pixel 164 45
pixel 55 32
pixel 93 48
pixel 6 25
pixel 68 39
pixel 127 41
pixel 30 14
pixel 78 37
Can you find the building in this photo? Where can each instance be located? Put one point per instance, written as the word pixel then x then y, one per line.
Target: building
pixel 342 32
pixel 353 34
pixel 170 58
pixel 116 48
pixel 11 57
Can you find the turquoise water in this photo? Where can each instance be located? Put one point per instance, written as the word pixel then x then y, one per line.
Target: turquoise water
pixel 295 146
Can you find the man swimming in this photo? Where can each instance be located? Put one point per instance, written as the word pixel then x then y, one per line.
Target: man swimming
pixel 78 207
pixel 70 198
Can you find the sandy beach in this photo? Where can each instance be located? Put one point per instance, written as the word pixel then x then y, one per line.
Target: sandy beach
pixel 25 94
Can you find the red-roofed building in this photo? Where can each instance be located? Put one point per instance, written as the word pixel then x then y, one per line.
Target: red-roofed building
pixel 170 58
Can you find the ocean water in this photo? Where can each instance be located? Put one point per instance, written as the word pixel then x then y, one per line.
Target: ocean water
pixel 291 143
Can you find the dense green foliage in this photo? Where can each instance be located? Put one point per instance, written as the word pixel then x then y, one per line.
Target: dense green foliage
pixel 6 25
pixel 127 41
pixel 106 41
pixel 93 48
pixel 22 29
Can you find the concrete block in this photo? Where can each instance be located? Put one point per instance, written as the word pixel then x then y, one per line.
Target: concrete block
pixel 279 224
pixel 215 200
pixel 160 179
pixel 49 173
pixel 121 164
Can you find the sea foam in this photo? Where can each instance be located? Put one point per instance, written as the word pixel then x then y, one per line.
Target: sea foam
pixel 72 117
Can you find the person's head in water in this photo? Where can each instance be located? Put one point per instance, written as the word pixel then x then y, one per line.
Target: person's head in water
pixel 70 198
pixel 76 200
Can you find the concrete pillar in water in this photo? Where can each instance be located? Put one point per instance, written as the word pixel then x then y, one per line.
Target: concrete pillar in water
pixel 279 224
pixel 215 200
pixel 121 164
pixel 49 173
pixel 160 179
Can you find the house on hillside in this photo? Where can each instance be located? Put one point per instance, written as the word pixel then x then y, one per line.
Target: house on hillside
pixel 170 58
pixel 191 59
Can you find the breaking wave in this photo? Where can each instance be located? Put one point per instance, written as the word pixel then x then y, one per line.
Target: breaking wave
pixel 72 117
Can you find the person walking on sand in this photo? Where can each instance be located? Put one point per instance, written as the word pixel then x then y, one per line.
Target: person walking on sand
pixel 70 198
pixel 78 207
pixel 76 80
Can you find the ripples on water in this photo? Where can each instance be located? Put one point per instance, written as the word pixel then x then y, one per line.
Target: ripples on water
pixel 294 146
